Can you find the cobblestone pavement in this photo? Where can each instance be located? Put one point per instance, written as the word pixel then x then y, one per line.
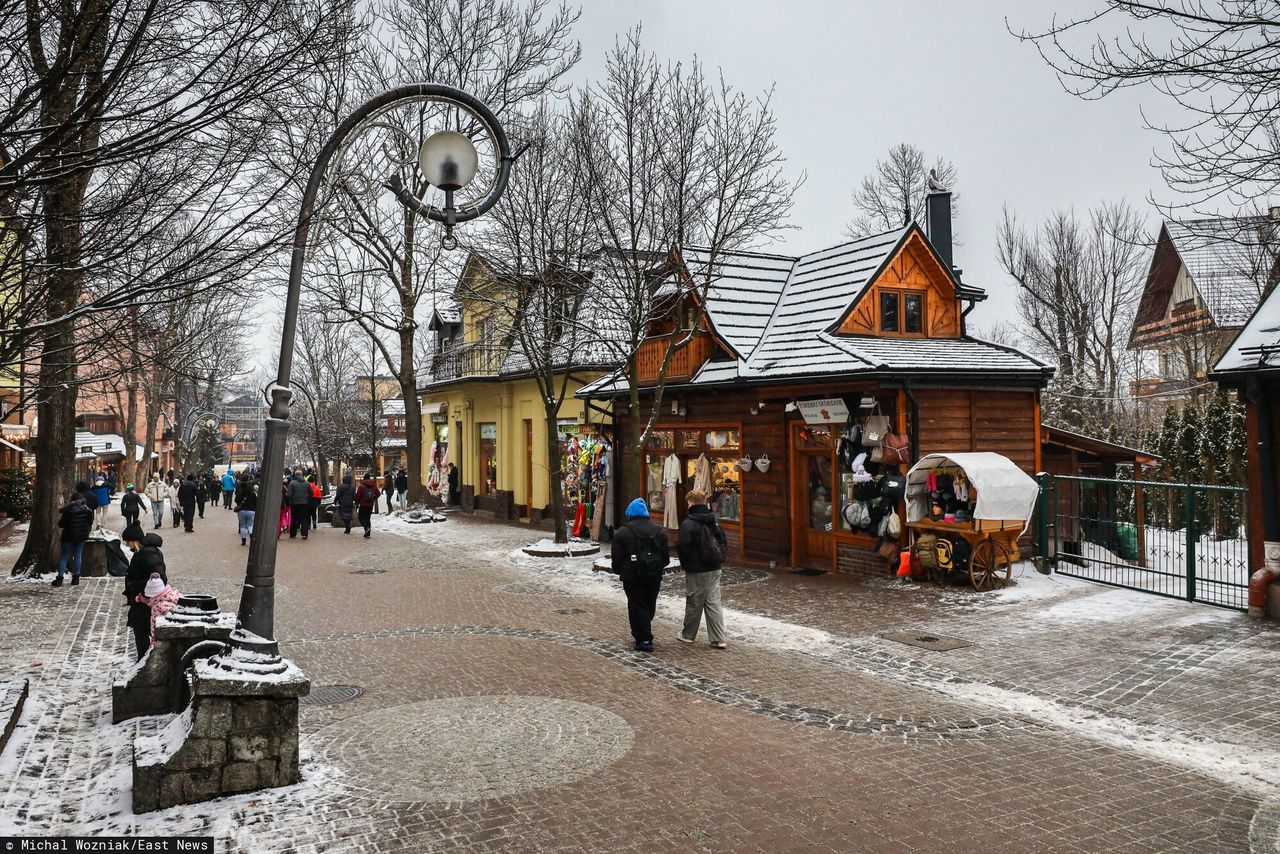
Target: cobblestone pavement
pixel 501 709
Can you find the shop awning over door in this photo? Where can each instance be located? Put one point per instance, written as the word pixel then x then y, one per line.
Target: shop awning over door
pixel 1004 490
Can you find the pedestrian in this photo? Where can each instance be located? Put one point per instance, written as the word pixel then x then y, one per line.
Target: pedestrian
pixel 131 505
pixel 160 599
pixel 102 495
pixel 246 498
pixel 313 503
pixel 299 494
pixel 187 499
pixel 402 489
pixel 157 491
pixel 367 503
pixel 174 506
pixel 85 490
pixel 344 499
pixel 640 555
pixel 228 486
pixel 112 483
pixel 202 494
pixel 701 548
pixel 453 499
pixel 389 488
pixel 147 562
pixel 76 521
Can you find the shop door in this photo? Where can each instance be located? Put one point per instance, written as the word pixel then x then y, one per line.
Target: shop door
pixel 812 508
pixel 528 467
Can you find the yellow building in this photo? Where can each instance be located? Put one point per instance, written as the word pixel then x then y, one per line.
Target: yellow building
pixel 482 410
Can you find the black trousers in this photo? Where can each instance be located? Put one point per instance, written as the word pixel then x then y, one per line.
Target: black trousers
pixel 188 516
pixel 142 638
pixel 226 498
pixel 642 601
pixel 364 514
pixel 299 517
pixel 200 504
pixel 130 518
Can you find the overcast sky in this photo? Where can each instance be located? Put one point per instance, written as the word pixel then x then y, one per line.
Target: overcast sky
pixel 851 79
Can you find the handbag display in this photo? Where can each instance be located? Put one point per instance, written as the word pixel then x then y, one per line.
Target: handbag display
pixel 762 463
pixel 897 449
pixel 744 464
pixel 888 549
pixel 856 514
pixel 876 428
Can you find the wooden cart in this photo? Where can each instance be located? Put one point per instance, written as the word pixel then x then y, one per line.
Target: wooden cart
pixel 993 547
pixel 1004 498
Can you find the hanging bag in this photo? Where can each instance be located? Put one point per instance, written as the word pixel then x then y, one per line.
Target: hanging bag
pixel 744 464
pixel 762 463
pixel 897 449
pixel 876 427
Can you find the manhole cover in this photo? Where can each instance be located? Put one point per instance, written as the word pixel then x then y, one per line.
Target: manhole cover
pixel 367 571
pixel 327 695
pixel 924 640
pixel 570 611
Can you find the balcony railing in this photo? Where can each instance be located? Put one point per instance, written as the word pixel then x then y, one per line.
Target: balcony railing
pixel 482 359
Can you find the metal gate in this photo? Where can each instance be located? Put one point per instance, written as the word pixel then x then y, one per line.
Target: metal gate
pixel 1182 540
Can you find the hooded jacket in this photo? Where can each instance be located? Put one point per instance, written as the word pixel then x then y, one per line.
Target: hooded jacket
pixel 700 516
pixel 626 540
pixel 76 521
pixel 187 493
pixel 228 481
pixel 146 560
pixel 345 496
pixel 246 496
pixel 299 491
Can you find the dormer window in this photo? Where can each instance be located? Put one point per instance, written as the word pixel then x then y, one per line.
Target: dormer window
pixel 902 312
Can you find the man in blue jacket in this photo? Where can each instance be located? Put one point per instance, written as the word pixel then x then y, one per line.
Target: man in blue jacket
pixel 639 556
pixel 228 487
pixel 76 521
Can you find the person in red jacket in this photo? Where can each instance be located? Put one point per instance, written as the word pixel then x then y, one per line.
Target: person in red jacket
pixel 366 500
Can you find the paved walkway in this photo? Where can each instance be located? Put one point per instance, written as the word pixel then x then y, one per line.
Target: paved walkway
pixel 502 709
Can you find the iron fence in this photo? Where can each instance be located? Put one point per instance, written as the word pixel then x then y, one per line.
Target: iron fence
pixel 1182 540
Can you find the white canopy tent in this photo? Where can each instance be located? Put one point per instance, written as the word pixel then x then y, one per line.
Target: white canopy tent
pixel 1005 492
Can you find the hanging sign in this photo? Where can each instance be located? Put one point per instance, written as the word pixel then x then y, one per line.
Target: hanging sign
pixel 439 419
pixel 827 410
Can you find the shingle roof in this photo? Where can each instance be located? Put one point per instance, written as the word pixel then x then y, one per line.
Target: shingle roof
pixel 743 291
pixel 1257 347
pixel 1223 257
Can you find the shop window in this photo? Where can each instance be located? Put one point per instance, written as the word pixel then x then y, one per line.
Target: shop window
pixel 819 477
pixel 653 482
pixel 816 437
pixel 725 497
pixel 488 459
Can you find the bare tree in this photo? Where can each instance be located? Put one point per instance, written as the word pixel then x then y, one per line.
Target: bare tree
pixel 1217 61
pixel 504 52
pixel 673 161
pixel 894 193
pixel 1078 287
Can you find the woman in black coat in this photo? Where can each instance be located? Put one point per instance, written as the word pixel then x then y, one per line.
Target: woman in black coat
pixel 147 558
pixel 345 500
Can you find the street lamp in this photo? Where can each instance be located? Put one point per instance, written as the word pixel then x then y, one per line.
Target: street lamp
pixel 448 160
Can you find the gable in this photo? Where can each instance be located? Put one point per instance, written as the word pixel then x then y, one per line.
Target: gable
pixel 913 269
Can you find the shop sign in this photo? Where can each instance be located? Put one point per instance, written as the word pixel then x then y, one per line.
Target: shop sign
pixel 489 431
pixel 827 410
pixel 439 418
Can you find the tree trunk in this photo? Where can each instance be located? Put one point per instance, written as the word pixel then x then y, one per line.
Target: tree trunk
pixel 555 494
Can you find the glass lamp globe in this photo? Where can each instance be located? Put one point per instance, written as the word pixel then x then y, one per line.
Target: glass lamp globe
pixel 448 160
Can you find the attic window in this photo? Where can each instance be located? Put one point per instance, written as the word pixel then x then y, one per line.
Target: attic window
pixel 902 312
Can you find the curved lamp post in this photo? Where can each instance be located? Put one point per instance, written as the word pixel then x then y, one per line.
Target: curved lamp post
pixel 449 161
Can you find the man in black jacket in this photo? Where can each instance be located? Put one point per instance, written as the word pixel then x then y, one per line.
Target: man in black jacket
pixel 187 492
pixel 640 555
pixel 701 550
pixel 147 558
pixel 299 492
pixel 76 521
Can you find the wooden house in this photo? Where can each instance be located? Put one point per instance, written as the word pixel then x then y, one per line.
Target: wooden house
pixel 786 351
pixel 1206 278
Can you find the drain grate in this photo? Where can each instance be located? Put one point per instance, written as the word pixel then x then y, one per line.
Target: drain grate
pixel 327 695
pixel 924 640
pixel 367 571
pixel 570 611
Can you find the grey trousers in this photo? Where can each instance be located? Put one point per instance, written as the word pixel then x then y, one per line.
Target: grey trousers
pixel 702 594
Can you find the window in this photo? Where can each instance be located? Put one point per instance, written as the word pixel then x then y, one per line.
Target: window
pixel 902 312
pixel 888 311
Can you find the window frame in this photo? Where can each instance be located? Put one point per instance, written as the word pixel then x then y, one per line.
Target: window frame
pixel 901 295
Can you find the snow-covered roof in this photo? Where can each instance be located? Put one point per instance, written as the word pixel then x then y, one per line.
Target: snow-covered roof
pixel 395 406
pixel 1257 347
pixel 1223 256
pixel 742 293
pixel 103 445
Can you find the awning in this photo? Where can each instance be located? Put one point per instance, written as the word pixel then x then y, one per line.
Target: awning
pixel 435 408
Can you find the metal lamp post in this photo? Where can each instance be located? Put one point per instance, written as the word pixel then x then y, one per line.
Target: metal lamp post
pixel 448 161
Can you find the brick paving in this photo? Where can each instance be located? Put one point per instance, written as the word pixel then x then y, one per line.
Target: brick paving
pixel 502 710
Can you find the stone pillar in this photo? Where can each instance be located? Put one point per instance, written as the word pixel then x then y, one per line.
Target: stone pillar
pixel 147 687
pixel 240 733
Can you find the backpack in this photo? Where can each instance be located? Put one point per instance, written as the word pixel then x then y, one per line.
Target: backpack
pixel 647 557
pixel 708 546
pixel 927 551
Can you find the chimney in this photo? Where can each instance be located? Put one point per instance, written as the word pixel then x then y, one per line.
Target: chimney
pixel 938 223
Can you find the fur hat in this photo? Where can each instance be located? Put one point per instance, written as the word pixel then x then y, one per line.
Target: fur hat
pixel 154 585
